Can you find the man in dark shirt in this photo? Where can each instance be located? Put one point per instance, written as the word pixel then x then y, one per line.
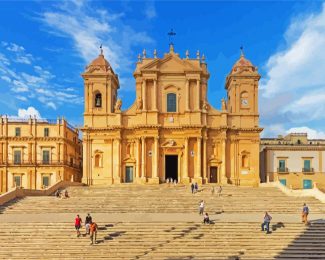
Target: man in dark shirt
pixel 87 223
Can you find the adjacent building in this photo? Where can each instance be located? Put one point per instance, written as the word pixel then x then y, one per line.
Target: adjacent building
pixel 36 153
pixel 294 160
pixel 171 130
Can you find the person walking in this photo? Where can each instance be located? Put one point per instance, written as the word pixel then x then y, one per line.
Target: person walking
pixel 201 207
pixel 192 187
pixel 196 187
pixel 212 190
pixel 77 224
pixel 219 191
pixel 266 222
pixel 305 212
pixel 88 220
pixel 93 232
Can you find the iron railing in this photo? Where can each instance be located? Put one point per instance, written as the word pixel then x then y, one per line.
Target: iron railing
pixel 41 163
pixel 283 170
pixel 308 170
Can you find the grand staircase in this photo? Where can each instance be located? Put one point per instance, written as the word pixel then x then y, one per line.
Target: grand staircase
pixel 42 227
pixel 164 199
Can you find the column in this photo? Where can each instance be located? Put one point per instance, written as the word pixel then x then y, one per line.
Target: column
pixel 198 94
pixel 137 171
pixel 205 159
pixel 117 176
pixel 143 154
pixel 198 158
pixel 155 95
pixel 223 175
pixel 112 160
pixel 187 95
pixel 144 103
pixel 156 158
pixel 185 166
pixel 62 153
pixel 58 152
pixel 1 154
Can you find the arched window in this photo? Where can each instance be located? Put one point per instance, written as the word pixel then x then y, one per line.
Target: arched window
pixel 97 160
pixel 244 161
pixel 98 100
pixel 171 102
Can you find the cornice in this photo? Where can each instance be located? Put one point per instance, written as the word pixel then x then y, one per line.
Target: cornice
pixel 294 148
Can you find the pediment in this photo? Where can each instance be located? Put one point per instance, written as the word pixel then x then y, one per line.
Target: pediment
pixel 171 63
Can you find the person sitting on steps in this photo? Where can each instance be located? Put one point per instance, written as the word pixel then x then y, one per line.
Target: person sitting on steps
pixel 206 219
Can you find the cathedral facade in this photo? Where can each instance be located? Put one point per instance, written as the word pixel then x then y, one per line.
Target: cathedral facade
pixel 171 130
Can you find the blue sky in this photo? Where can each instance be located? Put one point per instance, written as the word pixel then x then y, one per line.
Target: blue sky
pixel 45 46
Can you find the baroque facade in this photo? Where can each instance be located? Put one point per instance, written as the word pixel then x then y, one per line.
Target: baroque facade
pixel 294 160
pixel 37 153
pixel 171 130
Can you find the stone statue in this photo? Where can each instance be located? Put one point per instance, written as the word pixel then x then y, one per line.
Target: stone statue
pixel 118 105
pixel 205 105
pixel 139 103
pixel 223 104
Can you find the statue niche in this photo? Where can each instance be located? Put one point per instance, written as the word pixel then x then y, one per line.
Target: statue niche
pixel 118 105
pixel 139 103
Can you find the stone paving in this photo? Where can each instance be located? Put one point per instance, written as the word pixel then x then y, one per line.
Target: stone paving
pixel 162 222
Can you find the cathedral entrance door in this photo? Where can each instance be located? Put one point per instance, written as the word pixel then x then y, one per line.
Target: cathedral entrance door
pixel 171 167
pixel 213 174
pixel 129 174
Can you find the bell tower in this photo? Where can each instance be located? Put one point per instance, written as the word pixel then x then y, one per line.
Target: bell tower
pixel 101 85
pixel 242 94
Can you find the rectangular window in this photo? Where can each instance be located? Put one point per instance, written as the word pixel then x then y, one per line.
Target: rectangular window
pixel 46 157
pixel 307 166
pixel 282 165
pixel 17 131
pixel 46 181
pixel 17 157
pixel 46 132
pixel 171 102
pixel 307 184
pixel 17 181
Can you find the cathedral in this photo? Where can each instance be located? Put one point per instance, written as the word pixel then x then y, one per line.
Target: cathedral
pixel 171 131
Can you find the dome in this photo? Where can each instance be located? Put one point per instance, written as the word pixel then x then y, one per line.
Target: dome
pixel 99 64
pixel 243 64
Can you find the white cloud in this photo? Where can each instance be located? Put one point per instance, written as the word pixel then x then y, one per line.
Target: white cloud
pixel 88 27
pixel 30 111
pixel 150 10
pixel 279 129
pixel 51 105
pixel 15 47
pixel 6 78
pixel 292 93
pixel 22 98
pixel 311 133
pixel 36 84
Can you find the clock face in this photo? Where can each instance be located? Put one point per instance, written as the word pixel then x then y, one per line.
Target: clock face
pixel 244 102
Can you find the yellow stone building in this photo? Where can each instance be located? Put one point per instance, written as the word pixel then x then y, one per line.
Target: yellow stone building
pixel 36 153
pixel 171 130
pixel 296 161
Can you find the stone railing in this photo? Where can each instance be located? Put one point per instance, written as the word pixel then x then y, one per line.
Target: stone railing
pixel 20 192
pixel 315 192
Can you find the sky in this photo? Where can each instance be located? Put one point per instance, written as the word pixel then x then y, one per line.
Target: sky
pixel 46 45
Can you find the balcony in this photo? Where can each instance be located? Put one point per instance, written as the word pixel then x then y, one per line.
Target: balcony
pixel 283 170
pixel 308 170
pixel 40 163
